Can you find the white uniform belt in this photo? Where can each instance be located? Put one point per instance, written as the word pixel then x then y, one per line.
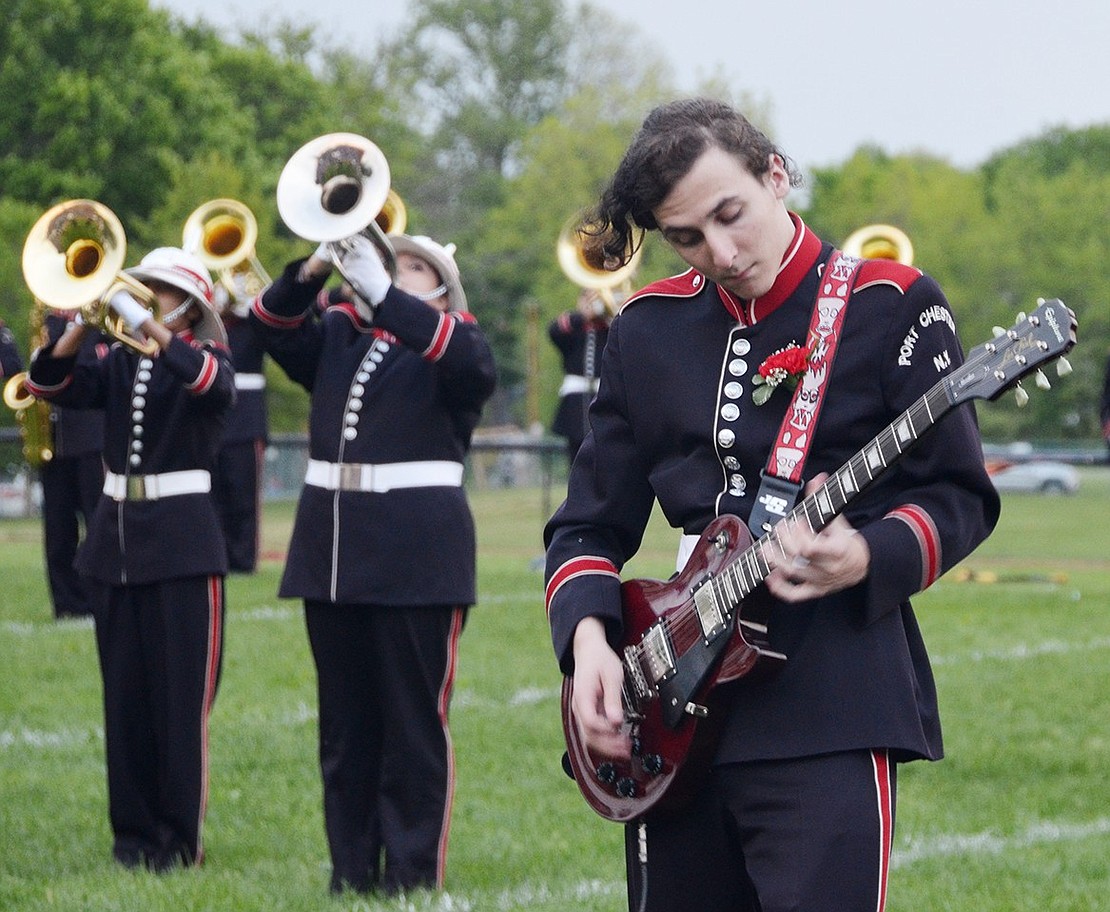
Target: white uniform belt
pixel 155 487
pixel 381 477
pixel 250 381
pixel 575 383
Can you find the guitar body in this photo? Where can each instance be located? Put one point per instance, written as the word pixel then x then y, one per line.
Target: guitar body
pixel 672 748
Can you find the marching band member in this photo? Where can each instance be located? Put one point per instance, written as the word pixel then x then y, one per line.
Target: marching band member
pixel 71 480
pixel 383 547
pixel 580 336
pixel 155 543
pixel 797 809
pixel 237 479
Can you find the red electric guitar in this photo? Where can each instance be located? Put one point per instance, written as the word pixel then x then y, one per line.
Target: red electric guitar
pixel 708 625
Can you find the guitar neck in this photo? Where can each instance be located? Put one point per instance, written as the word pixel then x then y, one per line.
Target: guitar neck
pixel 751 567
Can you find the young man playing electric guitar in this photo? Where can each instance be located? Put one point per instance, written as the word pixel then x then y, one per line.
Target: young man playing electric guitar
pixel 696 408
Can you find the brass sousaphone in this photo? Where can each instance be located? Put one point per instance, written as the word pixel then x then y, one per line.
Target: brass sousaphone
pixel 72 261
pixel 336 187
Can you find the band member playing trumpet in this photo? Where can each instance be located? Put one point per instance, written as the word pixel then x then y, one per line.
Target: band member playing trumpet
pixel 383 547
pixel 155 543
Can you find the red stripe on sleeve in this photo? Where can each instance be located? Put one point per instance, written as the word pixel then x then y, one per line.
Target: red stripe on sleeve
pixel 928 540
pixel 579 566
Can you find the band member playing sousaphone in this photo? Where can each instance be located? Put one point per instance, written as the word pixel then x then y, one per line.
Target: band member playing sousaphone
pixel 154 541
pixel 383 546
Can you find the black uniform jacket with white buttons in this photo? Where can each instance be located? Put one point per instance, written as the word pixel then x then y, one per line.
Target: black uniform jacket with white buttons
pixel 162 414
pixel 408 389
pixel 674 420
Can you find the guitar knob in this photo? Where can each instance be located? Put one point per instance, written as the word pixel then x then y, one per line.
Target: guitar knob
pixel 626 787
pixel 606 773
pixel 653 764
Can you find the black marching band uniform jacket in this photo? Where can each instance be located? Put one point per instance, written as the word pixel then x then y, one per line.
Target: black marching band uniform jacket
pixel 674 420
pixel 163 420
pixel 580 341
pixel 383 518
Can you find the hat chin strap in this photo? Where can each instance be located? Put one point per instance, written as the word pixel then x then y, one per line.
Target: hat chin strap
pixel 431 295
pixel 177 312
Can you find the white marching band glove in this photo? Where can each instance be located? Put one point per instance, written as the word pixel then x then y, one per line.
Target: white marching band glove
pixel 363 268
pixel 133 313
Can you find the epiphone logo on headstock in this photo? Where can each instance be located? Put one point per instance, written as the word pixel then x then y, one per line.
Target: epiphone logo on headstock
pixel 1050 316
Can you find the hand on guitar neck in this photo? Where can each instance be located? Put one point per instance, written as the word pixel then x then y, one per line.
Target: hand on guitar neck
pixel 807 565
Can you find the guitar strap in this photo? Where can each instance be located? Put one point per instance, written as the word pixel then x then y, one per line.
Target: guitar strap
pixel 781 481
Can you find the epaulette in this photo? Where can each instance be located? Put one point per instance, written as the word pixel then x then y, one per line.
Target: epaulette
pixel 685 285
pixel 886 272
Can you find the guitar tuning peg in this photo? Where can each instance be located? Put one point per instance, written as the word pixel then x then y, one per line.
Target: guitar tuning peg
pixel 1021 316
pixel 1042 381
pixel 998 331
pixel 1063 367
pixel 1021 396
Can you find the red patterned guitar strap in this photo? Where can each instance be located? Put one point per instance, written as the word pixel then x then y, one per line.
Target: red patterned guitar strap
pixel 781 480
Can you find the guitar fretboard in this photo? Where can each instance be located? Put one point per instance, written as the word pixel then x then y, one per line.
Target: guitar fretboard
pixel 739 578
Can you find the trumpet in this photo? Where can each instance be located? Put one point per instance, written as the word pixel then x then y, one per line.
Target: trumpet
pixel 582 264
pixel 880 242
pixel 335 187
pixel 32 415
pixel 222 233
pixel 72 261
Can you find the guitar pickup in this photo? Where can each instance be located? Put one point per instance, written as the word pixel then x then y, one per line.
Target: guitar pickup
pixel 712 617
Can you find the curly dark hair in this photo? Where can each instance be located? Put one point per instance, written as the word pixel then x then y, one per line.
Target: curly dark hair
pixel 672 137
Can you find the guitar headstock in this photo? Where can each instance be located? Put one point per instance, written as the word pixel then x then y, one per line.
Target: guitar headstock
pixel 1035 340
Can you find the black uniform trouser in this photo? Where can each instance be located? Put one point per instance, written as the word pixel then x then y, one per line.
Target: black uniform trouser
pixel 160 648
pixel 237 493
pixel 71 487
pixel 805 834
pixel 385 676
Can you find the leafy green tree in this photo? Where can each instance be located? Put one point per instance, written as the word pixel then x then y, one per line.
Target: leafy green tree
pixel 102 101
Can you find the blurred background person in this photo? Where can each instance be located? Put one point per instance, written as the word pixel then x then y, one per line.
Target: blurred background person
pixel 580 336
pixel 72 480
pixel 237 479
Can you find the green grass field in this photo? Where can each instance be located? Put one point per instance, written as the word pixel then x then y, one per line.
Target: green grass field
pixel 1016 818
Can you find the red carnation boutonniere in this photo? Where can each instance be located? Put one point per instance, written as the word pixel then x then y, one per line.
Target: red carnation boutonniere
pixel 787 365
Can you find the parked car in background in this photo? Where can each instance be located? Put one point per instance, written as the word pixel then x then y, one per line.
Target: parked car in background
pixel 1044 476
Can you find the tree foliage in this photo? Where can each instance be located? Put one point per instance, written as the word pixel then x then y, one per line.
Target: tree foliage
pixel 501 119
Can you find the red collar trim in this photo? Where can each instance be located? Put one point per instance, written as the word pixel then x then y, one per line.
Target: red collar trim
pixel 800 257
